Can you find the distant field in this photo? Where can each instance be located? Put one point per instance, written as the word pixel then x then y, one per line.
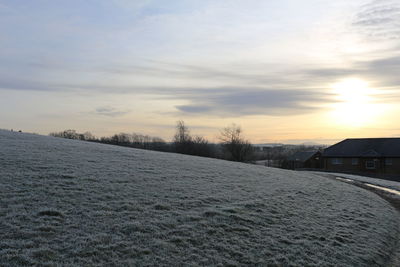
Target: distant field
pixel 73 203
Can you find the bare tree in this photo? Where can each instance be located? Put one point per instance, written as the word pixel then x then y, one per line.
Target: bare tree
pixel 182 133
pixel 184 143
pixel 234 145
pixel 182 139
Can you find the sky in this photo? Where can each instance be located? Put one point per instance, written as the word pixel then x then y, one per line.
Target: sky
pixel 286 71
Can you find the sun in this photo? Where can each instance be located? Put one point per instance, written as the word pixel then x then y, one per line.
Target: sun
pixel 354 103
pixel 353 91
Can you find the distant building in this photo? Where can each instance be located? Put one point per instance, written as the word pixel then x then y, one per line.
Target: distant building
pixel 304 159
pixel 377 156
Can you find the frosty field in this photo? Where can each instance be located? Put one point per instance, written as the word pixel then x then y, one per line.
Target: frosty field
pixel 73 203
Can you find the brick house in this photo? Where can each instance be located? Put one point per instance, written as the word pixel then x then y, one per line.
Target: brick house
pixel 374 156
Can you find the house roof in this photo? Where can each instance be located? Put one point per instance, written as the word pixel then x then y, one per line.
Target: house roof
pixel 365 147
pixel 302 156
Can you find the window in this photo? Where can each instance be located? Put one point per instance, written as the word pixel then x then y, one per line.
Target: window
pixel 336 161
pixel 388 162
pixel 370 164
pixel 354 161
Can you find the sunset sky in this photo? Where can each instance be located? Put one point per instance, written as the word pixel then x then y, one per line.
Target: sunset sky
pixel 287 71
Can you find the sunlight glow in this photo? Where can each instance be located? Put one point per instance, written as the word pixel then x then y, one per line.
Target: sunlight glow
pixel 355 105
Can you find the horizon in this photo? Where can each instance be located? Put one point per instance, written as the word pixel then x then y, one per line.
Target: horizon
pixel 286 72
pixel 309 143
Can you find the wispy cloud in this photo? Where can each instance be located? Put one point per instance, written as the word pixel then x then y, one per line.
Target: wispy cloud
pixel 379 19
pixel 383 72
pixel 110 112
pixel 23 84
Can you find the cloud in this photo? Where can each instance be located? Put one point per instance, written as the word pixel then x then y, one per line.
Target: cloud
pixel 383 72
pixel 386 64
pixel 379 19
pixel 110 112
pixel 254 74
pixel 22 84
pixel 194 108
pixel 244 101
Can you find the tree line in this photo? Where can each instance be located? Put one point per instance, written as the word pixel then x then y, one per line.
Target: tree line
pixel 232 144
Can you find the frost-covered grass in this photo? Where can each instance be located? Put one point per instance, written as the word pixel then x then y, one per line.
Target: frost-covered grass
pixel 72 203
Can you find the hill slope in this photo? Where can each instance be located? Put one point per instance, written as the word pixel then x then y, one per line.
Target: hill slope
pixel 68 202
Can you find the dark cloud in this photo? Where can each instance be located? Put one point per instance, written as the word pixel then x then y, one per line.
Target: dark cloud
pixel 239 102
pixel 110 112
pixel 389 63
pixel 194 108
pixel 385 70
